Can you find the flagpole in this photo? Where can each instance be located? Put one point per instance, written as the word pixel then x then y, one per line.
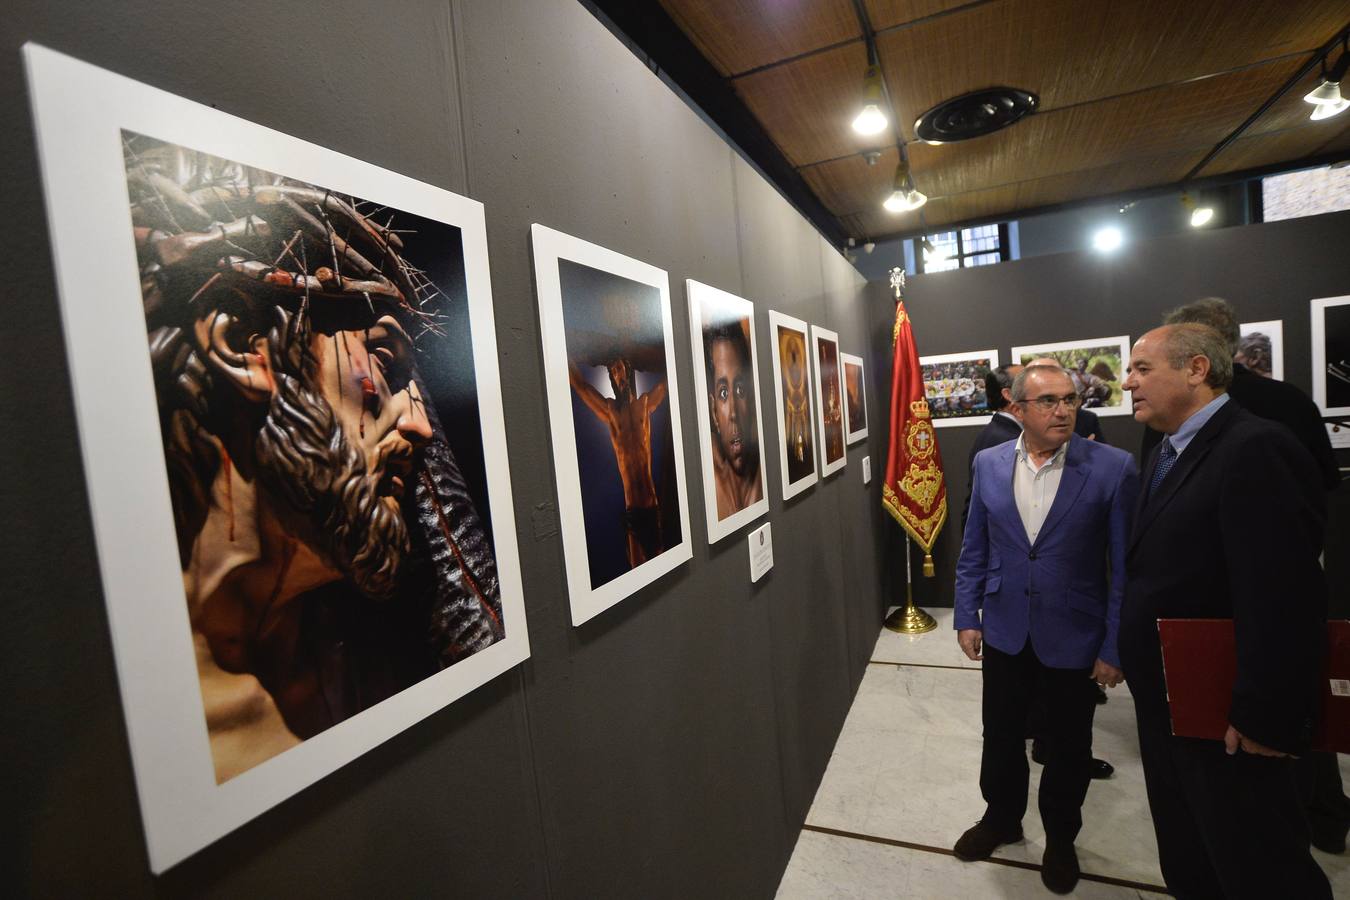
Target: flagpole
pixel 909 619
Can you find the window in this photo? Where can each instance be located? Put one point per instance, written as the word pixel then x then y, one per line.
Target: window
pixel 1305 193
pixel 980 246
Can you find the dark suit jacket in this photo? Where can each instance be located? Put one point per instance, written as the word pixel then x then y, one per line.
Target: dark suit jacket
pixel 1233 532
pixel 1089 425
pixel 1280 402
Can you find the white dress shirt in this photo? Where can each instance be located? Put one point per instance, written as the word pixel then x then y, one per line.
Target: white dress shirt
pixel 1034 488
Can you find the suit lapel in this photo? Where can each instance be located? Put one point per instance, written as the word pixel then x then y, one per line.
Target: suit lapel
pixel 1071 482
pixel 1153 503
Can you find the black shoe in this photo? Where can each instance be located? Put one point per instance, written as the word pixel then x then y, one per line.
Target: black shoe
pixel 1059 867
pixel 981 840
pixel 1101 695
pixel 1101 768
pixel 1038 754
pixel 1328 843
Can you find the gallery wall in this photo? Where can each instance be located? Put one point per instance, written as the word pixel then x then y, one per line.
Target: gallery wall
pixel 669 747
pixel 1267 271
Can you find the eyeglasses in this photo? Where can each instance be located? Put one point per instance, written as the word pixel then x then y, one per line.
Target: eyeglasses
pixel 1048 403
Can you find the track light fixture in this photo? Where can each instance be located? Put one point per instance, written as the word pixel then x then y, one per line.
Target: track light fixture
pixel 1326 98
pixel 1201 213
pixel 871 120
pixel 904 196
pixel 933 256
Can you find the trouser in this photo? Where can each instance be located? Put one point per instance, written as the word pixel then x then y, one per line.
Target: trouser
pixel 1012 682
pixel 1318 776
pixel 1227 826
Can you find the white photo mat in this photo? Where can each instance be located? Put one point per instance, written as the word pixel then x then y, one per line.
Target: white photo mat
pixel 783 322
pixel 938 359
pixel 1323 393
pixel 1120 344
pixel 80 112
pixel 819 337
pixel 701 295
pixel 846 360
pixel 1273 329
pixel 550 246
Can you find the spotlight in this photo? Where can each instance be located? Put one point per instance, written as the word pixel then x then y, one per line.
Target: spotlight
pixel 1200 215
pixel 932 256
pixel 1328 91
pixel 869 247
pixel 871 120
pixel 1327 110
pixel 904 196
pixel 1108 239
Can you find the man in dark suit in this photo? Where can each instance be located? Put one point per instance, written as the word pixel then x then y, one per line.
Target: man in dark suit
pixel 1229 526
pixel 1318 772
pixel 1049 516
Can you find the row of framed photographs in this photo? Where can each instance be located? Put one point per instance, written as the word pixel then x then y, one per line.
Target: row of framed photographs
pixel 614 410
pixel 289 399
pixel 955 382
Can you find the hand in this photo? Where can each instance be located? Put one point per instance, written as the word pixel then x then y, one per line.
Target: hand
pixel 1232 739
pixel 971 640
pixel 1106 674
pixel 1092 437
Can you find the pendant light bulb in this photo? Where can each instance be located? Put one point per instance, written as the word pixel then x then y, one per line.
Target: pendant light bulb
pixel 871 120
pixel 1327 110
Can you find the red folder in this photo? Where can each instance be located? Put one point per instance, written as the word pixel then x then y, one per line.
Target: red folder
pixel 1200 665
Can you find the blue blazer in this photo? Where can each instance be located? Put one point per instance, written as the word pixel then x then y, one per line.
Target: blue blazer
pixel 1063 592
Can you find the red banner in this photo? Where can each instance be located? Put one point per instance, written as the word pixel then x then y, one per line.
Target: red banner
pixel 915 491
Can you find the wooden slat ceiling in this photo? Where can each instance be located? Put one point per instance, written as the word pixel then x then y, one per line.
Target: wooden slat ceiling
pixel 1133 94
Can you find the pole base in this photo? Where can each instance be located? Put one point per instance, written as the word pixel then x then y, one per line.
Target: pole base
pixel 909 619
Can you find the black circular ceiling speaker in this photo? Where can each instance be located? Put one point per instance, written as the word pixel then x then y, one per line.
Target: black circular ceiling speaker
pixel 974 115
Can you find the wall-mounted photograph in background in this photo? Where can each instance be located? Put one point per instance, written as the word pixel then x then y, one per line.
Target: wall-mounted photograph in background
pixel 1097 367
pixel 855 397
pixel 829 400
pixel 614 413
pixel 1261 348
pixel 1331 355
pixel 953 384
pixel 789 338
pixel 726 397
pixel 285 372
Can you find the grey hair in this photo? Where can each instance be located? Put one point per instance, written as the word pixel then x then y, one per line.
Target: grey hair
pixel 1215 312
pixel 1019 386
pixel 1184 341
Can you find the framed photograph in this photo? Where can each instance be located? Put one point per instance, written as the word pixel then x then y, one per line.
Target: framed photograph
pixel 1097 367
pixel 855 398
pixel 1261 348
pixel 829 400
pixel 726 396
pixel 954 383
pixel 284 364
pixel 614 412
pixel 789 338
pixel 1331 355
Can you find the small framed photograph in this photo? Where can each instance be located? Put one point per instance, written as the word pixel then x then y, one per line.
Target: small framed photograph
pixel 1331 355
pixel 789 338
pixel 954 385
pixel 726 397
pixel 829 400
pixel 1097 367
pixel 1261 348
pixel 614 412
pixel 855 393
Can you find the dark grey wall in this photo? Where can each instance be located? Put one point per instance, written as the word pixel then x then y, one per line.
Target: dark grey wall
pixel 669 747
pixel 1267 271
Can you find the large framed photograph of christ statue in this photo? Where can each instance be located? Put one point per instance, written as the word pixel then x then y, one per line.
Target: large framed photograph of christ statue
pixel 614 414
pixel 285 375
pixel 726 398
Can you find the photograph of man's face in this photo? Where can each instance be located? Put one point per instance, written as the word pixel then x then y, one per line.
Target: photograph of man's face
pixel 733 431
pixel 313 367
pixel 796 433
pixel 616 351
pixel 831 400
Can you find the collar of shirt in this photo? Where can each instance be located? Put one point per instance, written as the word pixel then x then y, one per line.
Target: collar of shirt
pixel 1192 426
pixel 1056 460
pixel 1010 417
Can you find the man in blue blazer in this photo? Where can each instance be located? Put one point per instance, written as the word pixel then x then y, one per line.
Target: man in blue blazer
pixel 1038 590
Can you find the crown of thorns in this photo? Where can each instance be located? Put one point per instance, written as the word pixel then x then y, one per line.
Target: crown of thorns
pixel 267 237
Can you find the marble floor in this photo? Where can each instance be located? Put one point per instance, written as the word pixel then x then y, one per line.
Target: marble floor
pixel 902 785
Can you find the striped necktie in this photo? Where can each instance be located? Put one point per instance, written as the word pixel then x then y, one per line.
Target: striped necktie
pixel 1167 457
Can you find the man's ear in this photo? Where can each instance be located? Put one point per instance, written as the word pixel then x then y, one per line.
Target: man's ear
pixel 1199 370
pixel 237 355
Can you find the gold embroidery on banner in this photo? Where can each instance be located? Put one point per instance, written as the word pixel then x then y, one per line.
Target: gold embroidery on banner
pixel 922 528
